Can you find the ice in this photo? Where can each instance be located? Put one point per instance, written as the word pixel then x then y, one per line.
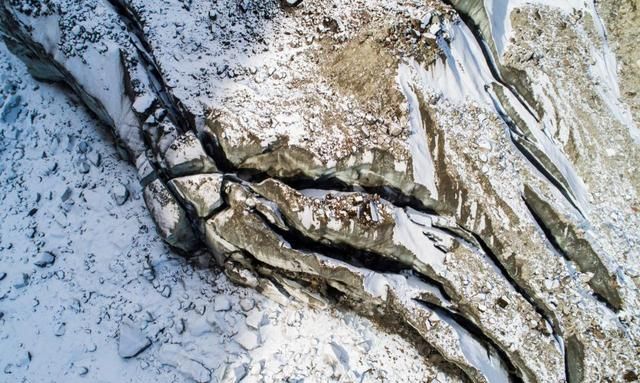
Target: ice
pixel 605 63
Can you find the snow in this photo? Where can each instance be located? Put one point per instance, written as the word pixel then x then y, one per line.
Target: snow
pixel 173 355
pixel 411 236
pixel 307 218
pixel 485 361
pixel 376 284
pixel 423 168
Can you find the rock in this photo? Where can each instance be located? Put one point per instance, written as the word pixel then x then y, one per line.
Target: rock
pixel 240 372
pixel 11 109
pixel 23 358
pixel 247 304
pixel 247 339
pixel 222 303
pixel 166 291
pixel 173 355
pixel 66 195
pixel 119 193
pixel 503 302
pixel 94 157
pixel 395 130
pixel 254 319
pixel 83 167
pixel 61 329
pixel 131 341
pixel 201 191
pixel 22 280
pixel 45 259
pixel 199 327
pixel 170 218
pixel 290 3
pixel 83 147
pixel 180 326
pixel 186 156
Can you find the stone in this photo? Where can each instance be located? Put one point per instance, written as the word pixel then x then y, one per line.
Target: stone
pixel 254 319
pixel 290 3
pixel 119 193
pixel 83 167
pixel 186 156
pixel 131 341
pixel 94 158
pixel 66 195
pixel 247 339
pixel 11 109
pixel 21 281
pixel 166 291
pixel 247 304
pixel 240 372
pixel 173 355
pixel 23 358
pixel 60 329
pixel 201 191
pixel 83 147
pixel 45 259
pixel 222 303
pixel 395 130
pixel 171 220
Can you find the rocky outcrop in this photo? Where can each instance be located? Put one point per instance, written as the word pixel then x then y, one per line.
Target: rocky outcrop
pixel 452 190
